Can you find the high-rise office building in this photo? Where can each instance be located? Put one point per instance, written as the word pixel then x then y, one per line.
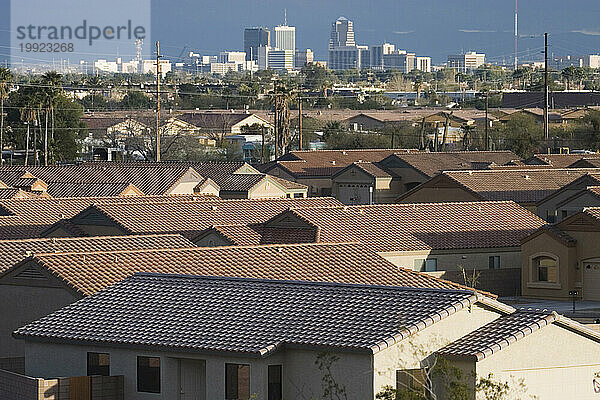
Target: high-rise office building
pixel 342 34
pixel 285 37
pixel 466 62
pixel 253 39
pixel 377 53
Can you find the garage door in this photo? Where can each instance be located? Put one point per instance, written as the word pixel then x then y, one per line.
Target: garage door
pixel 591 280
pixel 354 194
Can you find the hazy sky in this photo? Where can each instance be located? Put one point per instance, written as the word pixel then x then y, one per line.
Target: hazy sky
pixel 428 27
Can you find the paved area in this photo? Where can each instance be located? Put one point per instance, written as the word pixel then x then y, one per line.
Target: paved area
pixel 585 311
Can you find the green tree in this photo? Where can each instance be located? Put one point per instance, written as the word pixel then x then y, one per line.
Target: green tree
pixel 521 134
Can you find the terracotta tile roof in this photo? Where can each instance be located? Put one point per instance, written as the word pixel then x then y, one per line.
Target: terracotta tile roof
pixel 407 227
pixel 372 169
pixel 151 180
pixel 255 234
pixel 327 162
pixel 89 273
pixel 14 251
pixel 29 218
pixel 558 160
pixel 520 185
pixel 247 315
pixel 12 193
pixel 586 163
pixel 431 164
pixel 288 184
pixel 593 212
pixel 192 217
pixel 212 120
pixel 498 334
pixel 78 189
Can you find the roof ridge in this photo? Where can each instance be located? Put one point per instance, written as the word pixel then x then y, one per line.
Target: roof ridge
pixel 193 249
pixel 300 282
pixel 66 239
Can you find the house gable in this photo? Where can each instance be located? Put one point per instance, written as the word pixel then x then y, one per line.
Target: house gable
pixel 30 273
pixel 580 222
pixel 288 219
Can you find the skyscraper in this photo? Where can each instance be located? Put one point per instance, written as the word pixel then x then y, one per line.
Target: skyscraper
pixel 285 37
pixel 253 39
pixel 342 34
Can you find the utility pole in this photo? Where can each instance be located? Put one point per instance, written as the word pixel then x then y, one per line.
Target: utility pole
pixel 276 120
pixel 157 101
pixel 299 123
pixel 546 132
pixel 262 147
pixel 423 134
pixel 487 121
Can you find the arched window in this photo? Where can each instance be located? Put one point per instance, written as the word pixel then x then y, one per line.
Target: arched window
pixel 545 269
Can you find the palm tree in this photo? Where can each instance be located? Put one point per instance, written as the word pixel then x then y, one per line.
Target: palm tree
pixel 5 78
pixel 51 93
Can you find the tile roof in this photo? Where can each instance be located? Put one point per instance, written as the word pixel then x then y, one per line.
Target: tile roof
pixel 558 160
pixel 191 217
pixel 431 164
pixel 14 251
pixel 327 162
pixel 407 227
pixel 247 316
pixel 592 212
pixel 89 273
pixel 586 163
pixel 498 334
pixel 520 185
pixel 79 189
pixel 12 193
pixel 372 169
pixel 29 218
pixel 213 121
pixel 255 234
pixel 151 180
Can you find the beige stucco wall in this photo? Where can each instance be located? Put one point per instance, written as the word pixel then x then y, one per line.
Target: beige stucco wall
pixel 20 305
pixel 266 189
pixel 410 353
pixel 577 204
pixel 553 362
pixel 450 260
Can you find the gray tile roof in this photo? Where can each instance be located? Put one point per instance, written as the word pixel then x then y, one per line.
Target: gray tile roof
pixel 499 334
pixel 201 314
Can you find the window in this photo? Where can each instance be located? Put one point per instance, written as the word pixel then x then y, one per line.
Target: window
pixel 298 195
pixel 431 265
pixel 419 264
pixel 148 374
pixel 237 382
pixel 551 216
pixel 564 214
pixel 275 389
pixel 494 262
pixel 98 364
pixel 410 382
pixel 545 269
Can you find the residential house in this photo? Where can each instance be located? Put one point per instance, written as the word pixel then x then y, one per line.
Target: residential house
pixel 558 259
pixel 439 238
pixel 167 341
pixel 550 207
pixel 524 186
pixel 53 273
pixel 29 218
pixel 29 295
pixel 380 176
pixel 564 160
pixel 188 218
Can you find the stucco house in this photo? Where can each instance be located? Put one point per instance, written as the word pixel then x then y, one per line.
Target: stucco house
pixel 244 338
pixel 40 276
pixel 548 207
pixel 524 186
pixel 357 176
pixel 437 238
pixel 565 257
pixel 29 295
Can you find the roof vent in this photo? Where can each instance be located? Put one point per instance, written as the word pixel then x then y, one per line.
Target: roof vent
pixel 214 208
pixel 526 177
pixel 28 253
pixel 280 249
pixel 470 172
pixel 333 162
pixel 116 258
pixel 344 153
pixel 62 216
pixel 345 208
